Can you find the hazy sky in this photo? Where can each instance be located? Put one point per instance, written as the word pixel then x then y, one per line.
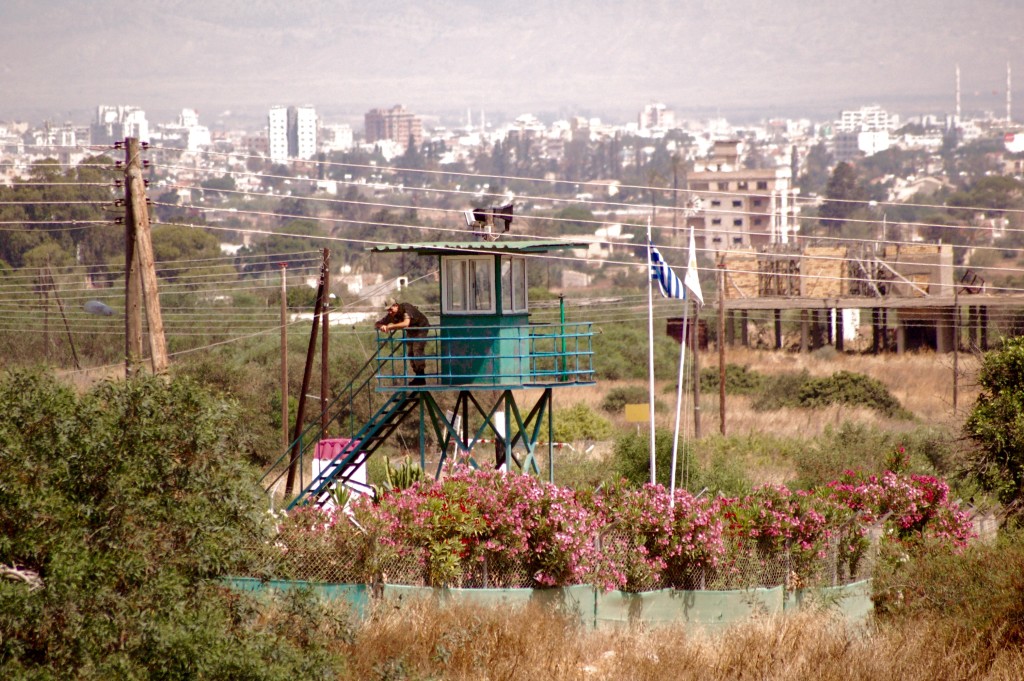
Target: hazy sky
pixel 740 58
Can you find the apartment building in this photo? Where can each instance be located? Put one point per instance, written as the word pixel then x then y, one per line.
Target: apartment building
pixel 656 116
pixel 867 119
pixel 291 133
pixel 394 124
pixel 277 134
pixel 742 208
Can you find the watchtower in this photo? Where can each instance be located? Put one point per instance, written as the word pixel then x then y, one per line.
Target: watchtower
pixel 485 349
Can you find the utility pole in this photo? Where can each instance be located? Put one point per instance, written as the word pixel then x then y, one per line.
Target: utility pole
pixel 284 357
pixel 325 306
pixel 60 306
pixel 135 186
pixel 956 343
pixel 306 376
pixel 695 330
pixel 721 345
pixel 132 283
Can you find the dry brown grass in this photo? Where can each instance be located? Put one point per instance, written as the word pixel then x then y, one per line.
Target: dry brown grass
pixel 420 640
pixel 923 383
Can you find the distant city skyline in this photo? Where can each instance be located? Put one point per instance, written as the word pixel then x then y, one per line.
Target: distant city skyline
pixel 741 59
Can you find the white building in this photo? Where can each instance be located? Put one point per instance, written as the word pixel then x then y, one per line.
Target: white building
pixel 302 124
pixel 337 137
pixel 850 145
pixel 277 134
pixel 656 116
pixel 115 123
pixel 291 133
pixel 867 119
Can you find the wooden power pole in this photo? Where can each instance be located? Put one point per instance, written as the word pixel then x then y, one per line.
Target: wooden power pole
pixel 284 357
pixel 325 374
pixel 138 212
pixel 300 413
pixel 132 283
pixel 721 345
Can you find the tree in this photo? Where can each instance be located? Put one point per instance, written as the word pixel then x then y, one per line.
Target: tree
pixel 124 507
pixel 188 253
pixel 844 196
pixel 294 249
pixel 996 425
pixel 216 187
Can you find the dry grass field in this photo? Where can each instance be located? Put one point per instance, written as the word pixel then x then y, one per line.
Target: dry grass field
pixel 421 640
pixel 923 384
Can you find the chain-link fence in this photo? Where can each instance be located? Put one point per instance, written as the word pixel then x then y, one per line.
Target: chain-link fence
pixel 356 558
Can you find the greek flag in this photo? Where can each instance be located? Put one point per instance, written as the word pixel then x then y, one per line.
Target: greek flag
pixel 671 286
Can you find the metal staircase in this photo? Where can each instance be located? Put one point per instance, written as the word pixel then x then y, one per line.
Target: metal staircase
pixel 343 419
pixel 358 449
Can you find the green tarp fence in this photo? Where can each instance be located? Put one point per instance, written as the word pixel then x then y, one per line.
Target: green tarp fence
pixel 709 610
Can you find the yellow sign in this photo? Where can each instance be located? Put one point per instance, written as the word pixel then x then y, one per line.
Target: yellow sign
pixel 638 413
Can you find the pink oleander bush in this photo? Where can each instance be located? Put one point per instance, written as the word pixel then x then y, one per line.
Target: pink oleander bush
pixel 647 540
pixel 773 520
pixel 911 507
pixel 618 537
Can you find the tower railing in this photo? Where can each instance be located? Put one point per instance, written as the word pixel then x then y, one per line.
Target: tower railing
pixel 523 355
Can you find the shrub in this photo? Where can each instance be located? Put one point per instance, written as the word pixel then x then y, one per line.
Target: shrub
pixel 579 422
pixel 842 387
pixel 996 425
pixel 631 457
pixel 738 380
pixel 846 387
pixel 723 474
pixel 648 541
pixel 621 352
pixel 979 592
pixel 129 503
pixel 616 399
pixel 780 390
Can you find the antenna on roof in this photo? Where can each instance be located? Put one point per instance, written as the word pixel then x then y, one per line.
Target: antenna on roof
pixel 490 223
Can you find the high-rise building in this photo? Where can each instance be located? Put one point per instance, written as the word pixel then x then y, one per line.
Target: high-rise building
pixel 277 134
pixel 302 126
pixel 291 133
pixel 395 124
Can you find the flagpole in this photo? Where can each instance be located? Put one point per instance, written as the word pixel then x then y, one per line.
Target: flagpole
pixel 650 343
pixel 679 405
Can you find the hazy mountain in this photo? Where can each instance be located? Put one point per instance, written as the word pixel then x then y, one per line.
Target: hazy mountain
pixel 606 58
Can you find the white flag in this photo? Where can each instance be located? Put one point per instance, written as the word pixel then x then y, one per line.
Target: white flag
pixel 690 279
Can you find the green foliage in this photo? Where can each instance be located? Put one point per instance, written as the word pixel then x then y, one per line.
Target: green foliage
pixel 846 387
pixel 842 387
pixel 996 424
pixel 579 422
pixel 722 471
pixel 738 380
pixel 185 254
pixel 621 352
pixel 844 194
pixel 403 477
pixel 780 390
pixel 50 201
pixel 979 591
pixel 129 502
